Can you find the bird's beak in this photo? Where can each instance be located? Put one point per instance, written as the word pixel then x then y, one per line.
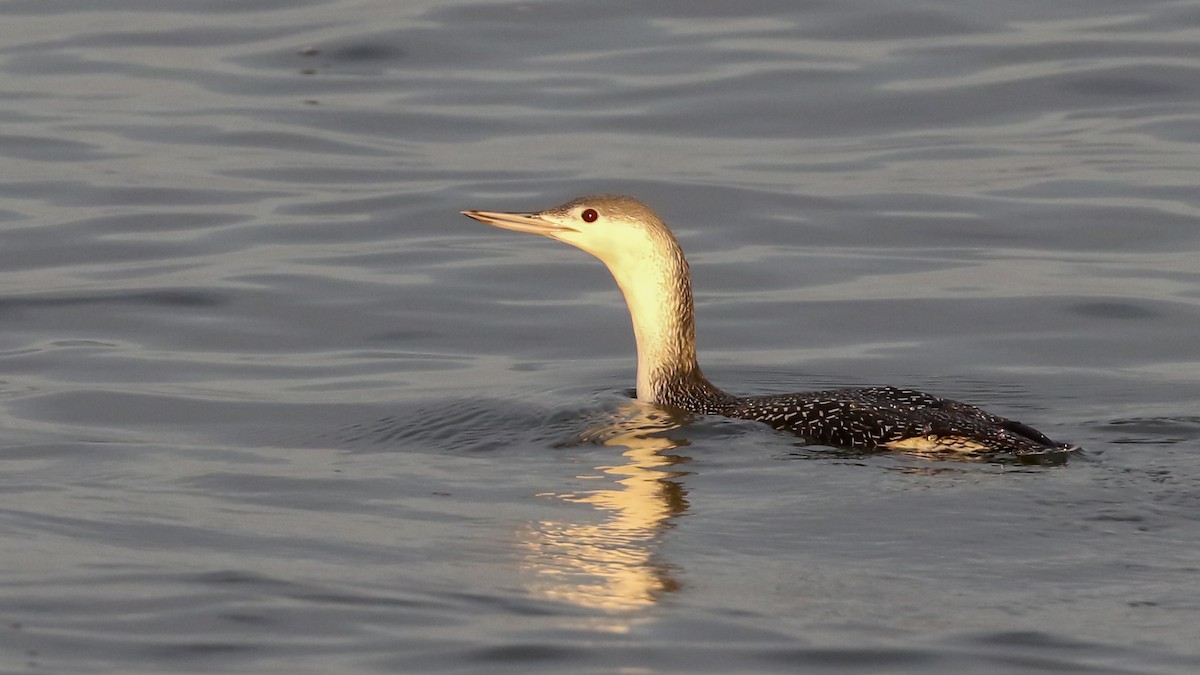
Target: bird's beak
pixel 520 222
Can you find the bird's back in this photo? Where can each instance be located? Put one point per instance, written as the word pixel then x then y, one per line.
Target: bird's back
pixel 893 418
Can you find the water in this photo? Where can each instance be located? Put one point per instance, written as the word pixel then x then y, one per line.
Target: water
pixel 269 404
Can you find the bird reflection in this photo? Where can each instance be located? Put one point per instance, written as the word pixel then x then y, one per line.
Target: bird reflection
pixel 612 563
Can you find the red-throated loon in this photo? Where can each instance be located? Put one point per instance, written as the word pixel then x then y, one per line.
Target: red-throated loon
pixel 648 265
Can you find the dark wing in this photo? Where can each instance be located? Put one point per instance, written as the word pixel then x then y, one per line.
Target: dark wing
pixel 901 419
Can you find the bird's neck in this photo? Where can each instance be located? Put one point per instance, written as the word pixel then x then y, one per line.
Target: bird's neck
pixel 658 291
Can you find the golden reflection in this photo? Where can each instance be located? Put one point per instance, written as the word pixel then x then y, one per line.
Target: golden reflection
pixel 611 563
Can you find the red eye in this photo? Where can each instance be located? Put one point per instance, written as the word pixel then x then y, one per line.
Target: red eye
pixel 589 215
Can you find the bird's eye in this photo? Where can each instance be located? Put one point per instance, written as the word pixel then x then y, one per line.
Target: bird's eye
pixel 589 215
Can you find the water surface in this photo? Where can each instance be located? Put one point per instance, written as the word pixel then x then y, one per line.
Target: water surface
pixel 269 404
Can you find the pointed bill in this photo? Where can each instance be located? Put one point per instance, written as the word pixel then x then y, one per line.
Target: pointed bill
pixel 520 222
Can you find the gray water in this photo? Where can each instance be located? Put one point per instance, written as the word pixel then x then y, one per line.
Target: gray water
pixel 269 404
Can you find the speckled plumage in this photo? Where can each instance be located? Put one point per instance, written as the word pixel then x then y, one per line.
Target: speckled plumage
pixel 887 417
pixel 649 267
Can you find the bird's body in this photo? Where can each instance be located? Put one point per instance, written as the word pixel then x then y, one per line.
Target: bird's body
pixel 649 267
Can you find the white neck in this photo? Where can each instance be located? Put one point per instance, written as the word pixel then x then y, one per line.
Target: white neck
pixel 657 286
pixel 659 296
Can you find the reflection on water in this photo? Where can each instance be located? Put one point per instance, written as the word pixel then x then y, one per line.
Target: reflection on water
pixel 612 564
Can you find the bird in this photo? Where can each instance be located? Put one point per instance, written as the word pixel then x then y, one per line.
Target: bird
pixel 649 267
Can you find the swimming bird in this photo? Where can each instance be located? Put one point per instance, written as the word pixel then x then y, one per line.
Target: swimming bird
pixel 648 265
